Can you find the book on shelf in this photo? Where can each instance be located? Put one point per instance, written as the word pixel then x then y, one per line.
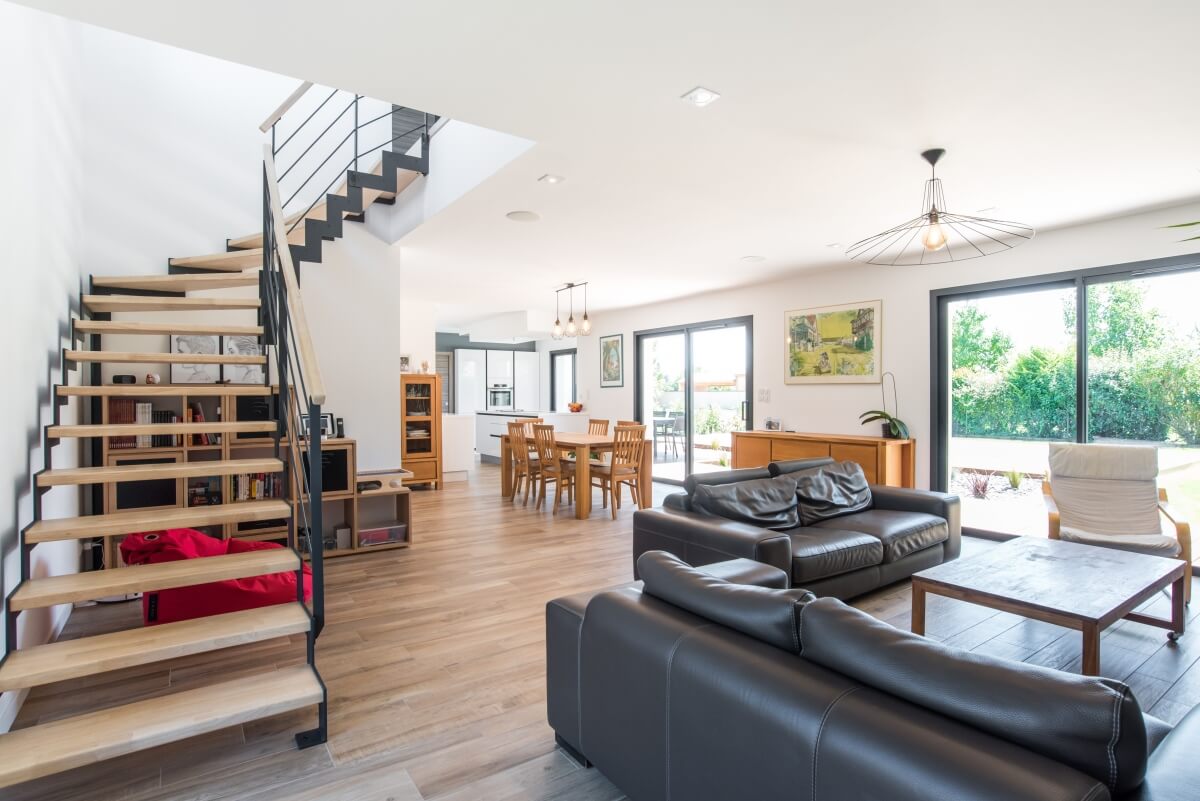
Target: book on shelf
pixel 142 414
pixel 195 414
pixel 204 491
pixel 257 486
pixel 122 411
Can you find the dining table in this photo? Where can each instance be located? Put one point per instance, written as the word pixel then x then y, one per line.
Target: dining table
pixel 583 446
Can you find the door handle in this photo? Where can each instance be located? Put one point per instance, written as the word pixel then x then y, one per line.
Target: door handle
pixel 745 406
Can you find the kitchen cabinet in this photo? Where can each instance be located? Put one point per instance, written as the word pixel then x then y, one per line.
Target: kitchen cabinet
pixel 470 380
pixel 499 367
pixel 526 380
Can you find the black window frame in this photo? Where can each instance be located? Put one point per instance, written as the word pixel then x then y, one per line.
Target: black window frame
pixel 554 354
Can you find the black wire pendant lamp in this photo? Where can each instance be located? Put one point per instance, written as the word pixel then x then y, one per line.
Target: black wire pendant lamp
pixel 938 236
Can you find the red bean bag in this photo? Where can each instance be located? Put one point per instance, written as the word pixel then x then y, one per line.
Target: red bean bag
pixel 218 597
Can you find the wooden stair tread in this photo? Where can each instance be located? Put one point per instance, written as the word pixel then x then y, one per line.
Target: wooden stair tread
pixel 77 528
pixel 159 357
pixel 143 472
pixel 42 592
pixel 116 303
pixel 131 429
pixel 141 327
pixel 53 747
pixel 234 260
pixel 183 282
pixel 87 656
pixel 162 390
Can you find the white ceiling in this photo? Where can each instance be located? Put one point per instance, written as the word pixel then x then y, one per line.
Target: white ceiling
pixel 1053 113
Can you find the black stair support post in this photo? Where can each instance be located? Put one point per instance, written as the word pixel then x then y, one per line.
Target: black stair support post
pixel 316 552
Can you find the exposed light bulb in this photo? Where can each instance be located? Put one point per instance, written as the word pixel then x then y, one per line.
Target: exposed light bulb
pixel 571 326
pixel 585 327
pixel 557 333
pixel 934 237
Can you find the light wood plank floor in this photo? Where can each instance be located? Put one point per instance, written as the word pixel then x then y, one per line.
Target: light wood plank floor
pixel 434 658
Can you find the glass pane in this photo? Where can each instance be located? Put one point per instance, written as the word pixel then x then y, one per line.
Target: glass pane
pixel 662 402
pixel 564 381
pixel 1012 375
pixel 1144 375
pixel 718 395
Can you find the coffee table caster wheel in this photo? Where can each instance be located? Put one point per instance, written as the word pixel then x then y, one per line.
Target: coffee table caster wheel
pixel 1174 636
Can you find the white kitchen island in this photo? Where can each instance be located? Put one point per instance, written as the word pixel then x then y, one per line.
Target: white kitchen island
pixel 490 426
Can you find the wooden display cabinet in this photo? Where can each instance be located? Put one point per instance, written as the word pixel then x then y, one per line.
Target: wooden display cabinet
pixel 421 428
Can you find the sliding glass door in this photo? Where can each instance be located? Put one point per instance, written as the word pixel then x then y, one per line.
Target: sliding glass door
pixel 1109 355
pixel 693 391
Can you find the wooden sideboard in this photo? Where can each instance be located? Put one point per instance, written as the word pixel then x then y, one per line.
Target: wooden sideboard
pixel 891 462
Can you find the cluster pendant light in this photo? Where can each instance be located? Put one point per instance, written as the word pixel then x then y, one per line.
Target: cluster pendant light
pixel 571 329
pixel 937 235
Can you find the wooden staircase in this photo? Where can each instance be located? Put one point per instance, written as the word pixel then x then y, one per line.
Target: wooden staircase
pixel 40 750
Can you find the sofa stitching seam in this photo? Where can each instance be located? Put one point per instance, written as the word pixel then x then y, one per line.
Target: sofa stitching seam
pixel 1116 734
pixel 667 706
pixel 820 731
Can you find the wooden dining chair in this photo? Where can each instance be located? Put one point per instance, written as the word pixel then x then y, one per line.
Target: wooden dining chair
pixel 628 444
pixel 598 427
pixel 526 464
pixel 552 467
pixel 628 423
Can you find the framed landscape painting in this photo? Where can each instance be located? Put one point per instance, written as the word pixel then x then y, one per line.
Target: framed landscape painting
pixel 834 344
pixel 612 361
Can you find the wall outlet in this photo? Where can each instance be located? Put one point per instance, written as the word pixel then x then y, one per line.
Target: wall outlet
pixel 764 396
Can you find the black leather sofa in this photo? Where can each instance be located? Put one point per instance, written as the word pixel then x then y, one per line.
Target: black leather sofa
pixel 834 545
pixel 693 688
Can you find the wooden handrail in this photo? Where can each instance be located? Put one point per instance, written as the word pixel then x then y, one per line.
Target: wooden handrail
pixel 297 317
pixel 284 106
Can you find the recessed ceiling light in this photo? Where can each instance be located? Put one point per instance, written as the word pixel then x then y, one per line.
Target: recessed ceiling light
pixel 523 216
pixel 834 245
pixel 753 259
pixel 700 96
pixel 549 178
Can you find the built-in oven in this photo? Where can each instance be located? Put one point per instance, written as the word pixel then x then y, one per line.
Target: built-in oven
pixel 500 396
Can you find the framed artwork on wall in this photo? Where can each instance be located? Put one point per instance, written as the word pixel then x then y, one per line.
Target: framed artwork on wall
pixel 200 345
pixel 242 373
pixel 834 344
pixel 612 360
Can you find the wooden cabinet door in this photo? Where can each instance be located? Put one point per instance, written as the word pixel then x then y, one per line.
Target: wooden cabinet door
pixel 782 449
pixel 865 455
pixel 751 451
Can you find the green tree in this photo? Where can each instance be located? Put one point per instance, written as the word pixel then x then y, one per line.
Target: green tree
pixel 1119 321
pixel 973 346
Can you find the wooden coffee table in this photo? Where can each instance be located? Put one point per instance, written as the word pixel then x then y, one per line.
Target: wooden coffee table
pixel 1081 587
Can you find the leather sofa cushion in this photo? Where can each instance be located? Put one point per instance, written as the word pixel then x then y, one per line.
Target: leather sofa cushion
pixel 830 491
pixel 719 477
pixel 901 533
pixel 1091 724
pixel 766 502
pixel 762 613
pixel 821 552
pixel 794 465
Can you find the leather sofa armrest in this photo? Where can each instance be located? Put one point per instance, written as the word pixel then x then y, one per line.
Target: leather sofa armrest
pixel 939 504
pixel 1173 773
pixel 700 540
pixel 678 501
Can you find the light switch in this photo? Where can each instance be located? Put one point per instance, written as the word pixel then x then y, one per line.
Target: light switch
pixel 764 396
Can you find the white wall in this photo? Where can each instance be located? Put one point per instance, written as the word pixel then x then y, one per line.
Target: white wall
pixel 834 408
pixel 40 248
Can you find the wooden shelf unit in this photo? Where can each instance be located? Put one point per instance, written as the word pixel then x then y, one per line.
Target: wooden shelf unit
pixel 421 428
pixel 892 462
pixel 340 473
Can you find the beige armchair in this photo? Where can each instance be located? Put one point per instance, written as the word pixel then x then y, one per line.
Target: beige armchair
pixel 1108 495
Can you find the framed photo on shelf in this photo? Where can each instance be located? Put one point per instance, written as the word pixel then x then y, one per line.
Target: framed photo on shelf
pixel 242 373
pixel 200 345
pixel 612 360
pixel 326 425
pixel 834 344
pixel 406 364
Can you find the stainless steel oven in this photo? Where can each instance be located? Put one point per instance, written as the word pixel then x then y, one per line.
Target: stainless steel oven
pixel 500 396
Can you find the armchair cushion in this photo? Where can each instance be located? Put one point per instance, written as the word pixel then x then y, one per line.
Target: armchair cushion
pixel 1152 544
pixel 818 553
pixel 830 491
pixel 766 502
pixel 1105 491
